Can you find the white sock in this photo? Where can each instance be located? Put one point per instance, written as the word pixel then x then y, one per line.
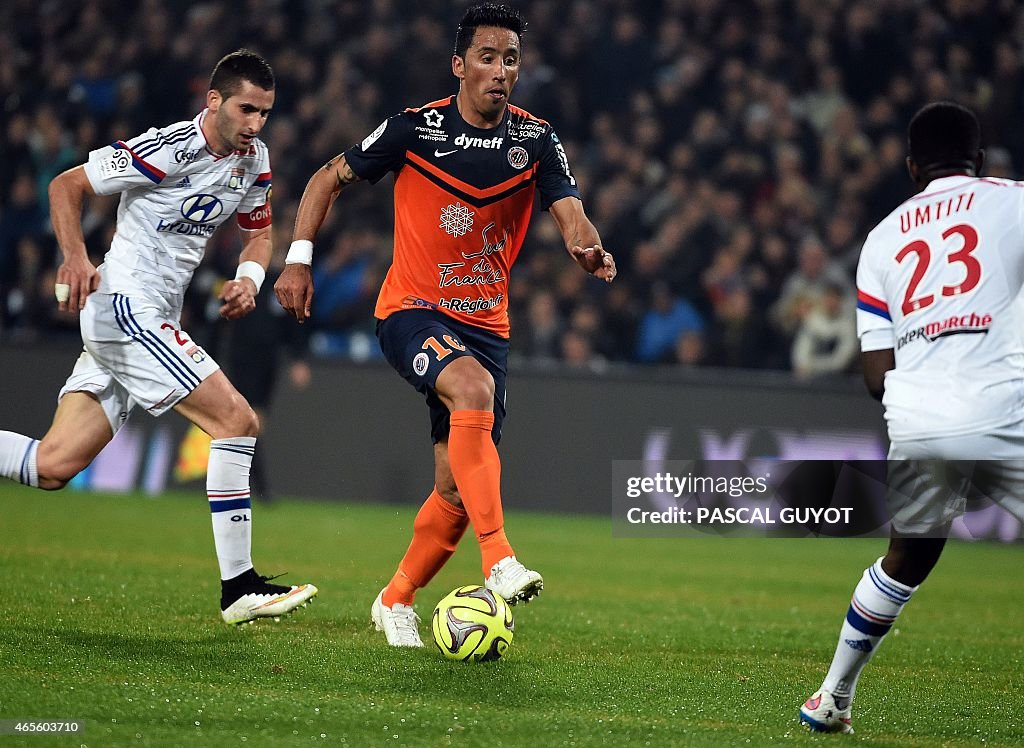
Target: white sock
pixel 227 486
pixel 18 458
pixel 877 601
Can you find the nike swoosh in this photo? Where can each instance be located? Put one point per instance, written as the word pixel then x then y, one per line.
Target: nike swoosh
pixel 439 154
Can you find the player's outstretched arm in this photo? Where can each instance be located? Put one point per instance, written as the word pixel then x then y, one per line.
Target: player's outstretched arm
pixel 239 295
pixel 294 288
pixel 76 276
pixel 581 239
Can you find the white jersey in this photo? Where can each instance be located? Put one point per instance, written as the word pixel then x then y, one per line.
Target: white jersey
pixel 940 282
pixel 175 193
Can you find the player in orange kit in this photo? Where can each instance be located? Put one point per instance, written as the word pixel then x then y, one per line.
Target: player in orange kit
pixel 466 169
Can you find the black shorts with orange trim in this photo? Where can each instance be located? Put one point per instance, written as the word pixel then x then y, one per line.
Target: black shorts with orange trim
pixel 420 343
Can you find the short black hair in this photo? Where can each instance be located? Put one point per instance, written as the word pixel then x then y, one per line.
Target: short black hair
pixel 242 65
pixel 943 134
pixel 487 14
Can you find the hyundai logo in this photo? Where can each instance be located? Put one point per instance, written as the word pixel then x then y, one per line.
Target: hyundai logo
pixel 202 208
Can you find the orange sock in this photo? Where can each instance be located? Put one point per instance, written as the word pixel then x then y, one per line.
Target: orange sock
pixel 436 531
pixel 477 471
pixel 494 546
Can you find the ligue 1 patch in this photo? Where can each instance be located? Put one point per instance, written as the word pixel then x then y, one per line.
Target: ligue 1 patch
pixel 114 164
pixel 372 137
pixel 237 178
pixel 518 157
pixel 420 364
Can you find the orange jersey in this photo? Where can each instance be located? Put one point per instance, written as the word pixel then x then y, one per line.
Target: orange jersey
pixel 463 202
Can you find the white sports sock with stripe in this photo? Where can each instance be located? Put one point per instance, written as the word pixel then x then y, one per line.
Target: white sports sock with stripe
pixel 877 601
pixel 18 458
pixel 227 486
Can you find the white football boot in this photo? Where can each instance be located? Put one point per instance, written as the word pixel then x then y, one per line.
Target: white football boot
pixel 250 596
pixel 513 581
pixel 399 623
pixel 821 713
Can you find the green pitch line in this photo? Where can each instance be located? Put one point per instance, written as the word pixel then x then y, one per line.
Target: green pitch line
pixel 110 616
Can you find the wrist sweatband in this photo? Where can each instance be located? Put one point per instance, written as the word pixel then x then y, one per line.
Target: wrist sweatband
pixel 252 270
pixel 300 253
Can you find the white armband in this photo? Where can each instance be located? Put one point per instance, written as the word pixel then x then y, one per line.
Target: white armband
pixel 876 340
pixel 300 253
pixel 253 271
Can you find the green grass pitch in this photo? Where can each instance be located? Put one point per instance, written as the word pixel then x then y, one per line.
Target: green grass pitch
pixel 110 616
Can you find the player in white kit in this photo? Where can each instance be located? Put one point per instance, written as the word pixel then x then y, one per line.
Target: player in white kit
pixel 177 184
pixel 941 323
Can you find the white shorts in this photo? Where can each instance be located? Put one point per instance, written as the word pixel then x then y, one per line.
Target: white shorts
pixel 933 481
pixel 135 355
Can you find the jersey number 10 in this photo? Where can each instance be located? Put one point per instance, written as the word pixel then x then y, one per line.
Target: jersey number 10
pixel 923 253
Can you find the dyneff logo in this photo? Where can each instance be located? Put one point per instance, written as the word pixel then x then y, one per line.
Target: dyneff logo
pixel 466 142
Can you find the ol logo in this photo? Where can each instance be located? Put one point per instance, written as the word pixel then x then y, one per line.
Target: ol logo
pixel 420 364
pixel 196 353
pixel 202 208
pixel 237 178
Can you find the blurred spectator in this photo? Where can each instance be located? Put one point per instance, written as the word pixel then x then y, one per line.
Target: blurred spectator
pixel 540 338
pixel 806 285
pixel 689 349
pixel 998 163
pixel 578 350
pixel 347 280
pixel 620 317
pixel 739 335
pixel 21 228
pixel 712 160
pixel 668 318
pixel 826 341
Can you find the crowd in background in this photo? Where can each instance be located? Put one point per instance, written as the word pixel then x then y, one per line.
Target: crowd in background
pixel 732 153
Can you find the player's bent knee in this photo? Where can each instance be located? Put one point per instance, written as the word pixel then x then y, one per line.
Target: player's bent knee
pixel 238 419
pixel 476 393
pixel 249 422
pixel 244 422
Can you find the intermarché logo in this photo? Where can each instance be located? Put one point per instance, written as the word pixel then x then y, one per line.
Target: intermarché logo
pixel 958 324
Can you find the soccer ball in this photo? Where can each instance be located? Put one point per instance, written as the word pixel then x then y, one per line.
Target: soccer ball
pixel 472 623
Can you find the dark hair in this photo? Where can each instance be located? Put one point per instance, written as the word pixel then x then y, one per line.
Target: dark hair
pixel 487 14
pixel 243 65
pixel 944 134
